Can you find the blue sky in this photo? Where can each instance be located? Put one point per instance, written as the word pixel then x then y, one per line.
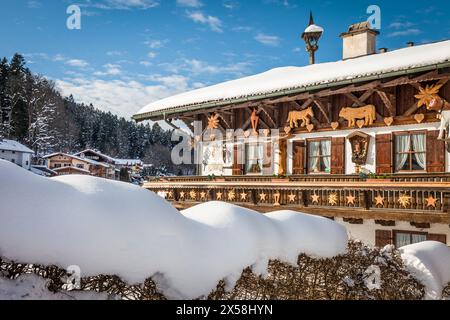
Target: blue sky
pixel 129 53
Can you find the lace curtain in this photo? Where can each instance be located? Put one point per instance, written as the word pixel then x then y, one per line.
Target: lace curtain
pixel 314 152
pixel 402 144
pixel 254 158
pixel 418 141
pixel 326 151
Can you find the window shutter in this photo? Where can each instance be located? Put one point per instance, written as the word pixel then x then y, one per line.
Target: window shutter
pixel 338 155
pixel 298 157
pixel 435 152
pixel 437 237
pixel 384 153
pixel 282 156
pixel 267 161
pixel 383 238
pixel 237 168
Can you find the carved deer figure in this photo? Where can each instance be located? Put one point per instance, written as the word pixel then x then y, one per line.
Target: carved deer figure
pixel 429 96
pixel 368 113
pixel 304 116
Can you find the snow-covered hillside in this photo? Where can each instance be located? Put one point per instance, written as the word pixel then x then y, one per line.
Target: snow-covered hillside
pixel 109 227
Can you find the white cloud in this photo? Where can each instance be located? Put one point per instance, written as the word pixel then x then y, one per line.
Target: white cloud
pixel 33 4
pixel 146 63
pixel 268 40
pixel 123 98
pixel 122 4
pixel 155 44
pixel 242 29
pixel 407 32
pixel 212 22
pixel 400 25
pixel 229 4
pixel 59 57
pixel 152 55
pixel 77 63
pixel 115 53
pixel 110 70
pixel 189 3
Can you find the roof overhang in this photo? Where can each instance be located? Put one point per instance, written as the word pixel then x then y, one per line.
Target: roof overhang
pixel 173 112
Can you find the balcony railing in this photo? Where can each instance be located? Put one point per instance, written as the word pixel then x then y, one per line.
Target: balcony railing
pixel 423 193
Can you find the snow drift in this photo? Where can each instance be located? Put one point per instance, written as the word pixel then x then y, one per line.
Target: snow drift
pixel 109 227
pixel 428 262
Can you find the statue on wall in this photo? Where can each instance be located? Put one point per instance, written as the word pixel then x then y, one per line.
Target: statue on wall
pixel 304 115
pixel 255 121
pixel 367 113
pixel 359 142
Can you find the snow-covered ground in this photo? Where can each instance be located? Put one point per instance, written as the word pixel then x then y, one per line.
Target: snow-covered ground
pixel 109 227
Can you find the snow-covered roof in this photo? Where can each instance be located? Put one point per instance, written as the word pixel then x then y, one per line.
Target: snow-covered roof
pixel 43 170
pixel 128 162
pixel 313 28
pixel 87 160
pixel 289 80
pixel 72 168
pixel 108 158
pixel 11 145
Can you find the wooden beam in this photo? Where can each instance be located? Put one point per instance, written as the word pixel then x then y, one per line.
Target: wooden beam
pixel 411 109
pixel 263 110
pixel 322 109
pixel 387 102
pixel 354 98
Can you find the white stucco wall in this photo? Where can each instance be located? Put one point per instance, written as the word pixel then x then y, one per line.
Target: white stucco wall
pixel 20 158
pixel 366 231
pixel 372 131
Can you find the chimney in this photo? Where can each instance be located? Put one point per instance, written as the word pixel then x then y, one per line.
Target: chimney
pixel 359 40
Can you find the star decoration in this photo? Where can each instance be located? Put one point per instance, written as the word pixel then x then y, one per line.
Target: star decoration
pixel 202 195
pixel 379 200
pixel 292 197
pixel 350 199
pixel 219 195
pixel 243 196
pixel 427 94
pixel 332 199
pixel 262 196
pixel 404 200
pixel 315 198
pixel 213 121
pixel 182 195
pixel 193 194
pixel 431 202
pixel 231 195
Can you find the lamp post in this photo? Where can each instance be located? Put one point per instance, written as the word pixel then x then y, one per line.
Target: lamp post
pixel 311 37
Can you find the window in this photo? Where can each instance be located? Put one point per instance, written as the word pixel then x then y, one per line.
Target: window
pixel 254 155
pixel 319 156
pixel 57 165
pixel 13 152
pixel 13 160
pixel 26 163
pixel 403 238
pixel 80 166
pixel 410 152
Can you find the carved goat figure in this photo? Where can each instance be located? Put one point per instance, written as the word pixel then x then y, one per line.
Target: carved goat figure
pixel 254 118
pixel 367 113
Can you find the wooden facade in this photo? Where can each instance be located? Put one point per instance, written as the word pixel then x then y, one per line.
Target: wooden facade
pixel 420 197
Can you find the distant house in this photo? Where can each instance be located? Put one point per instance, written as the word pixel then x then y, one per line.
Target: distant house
pixel 133 165
pixel 16 152
pixel 43 171
pixel 64 164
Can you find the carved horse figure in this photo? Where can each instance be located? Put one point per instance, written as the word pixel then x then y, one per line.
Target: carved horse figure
pixel 367 113
pixel 304 115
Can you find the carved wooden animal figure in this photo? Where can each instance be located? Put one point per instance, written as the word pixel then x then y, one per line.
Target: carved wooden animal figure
pixel 445 123
pixel 438 104
pixel 367 113
pixel 304 115
pixel 255 120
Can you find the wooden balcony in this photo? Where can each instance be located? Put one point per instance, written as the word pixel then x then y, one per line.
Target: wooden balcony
pixel 420 198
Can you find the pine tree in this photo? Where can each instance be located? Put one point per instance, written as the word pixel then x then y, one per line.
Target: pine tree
pixel 16 86
pixel 5 101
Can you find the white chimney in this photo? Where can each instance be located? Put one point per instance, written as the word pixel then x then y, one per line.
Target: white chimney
pixel 359 40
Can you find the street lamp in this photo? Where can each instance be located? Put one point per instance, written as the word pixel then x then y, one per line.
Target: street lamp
pixel 311 37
